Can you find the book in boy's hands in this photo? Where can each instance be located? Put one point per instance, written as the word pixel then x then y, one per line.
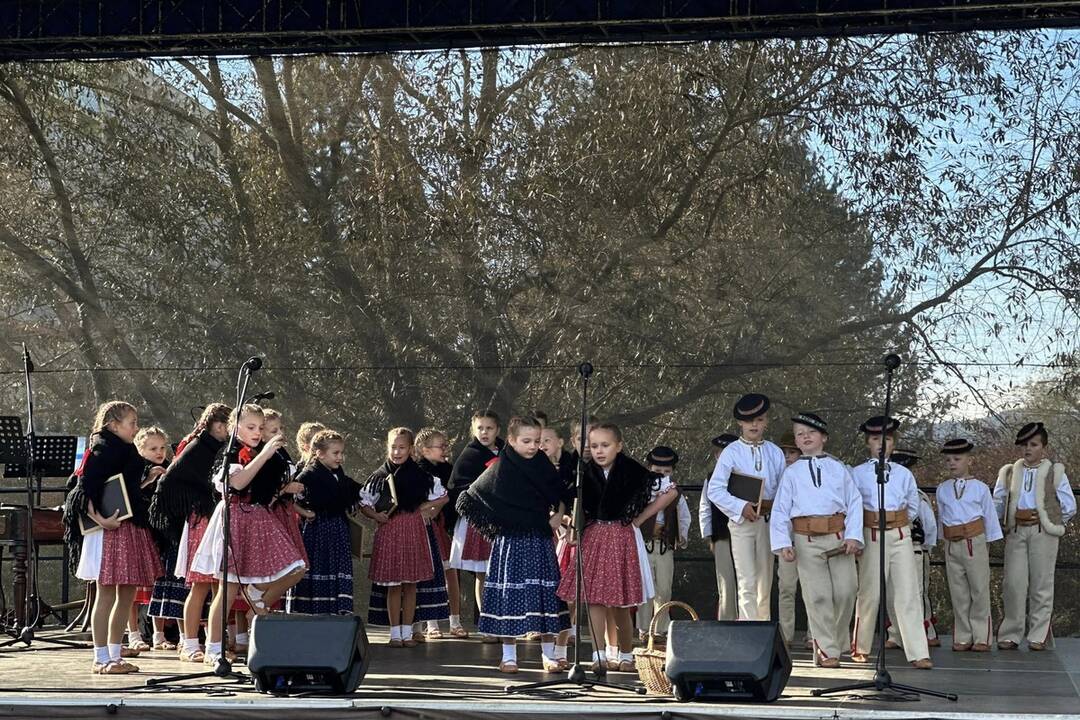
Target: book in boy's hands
pixel 747 487
pixel 388 500
pixel 114 497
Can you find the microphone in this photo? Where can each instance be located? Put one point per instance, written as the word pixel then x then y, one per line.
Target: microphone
pixel 262 396
pixel 253 363
pixel 892 361
pixel 586 369
pixel 28 364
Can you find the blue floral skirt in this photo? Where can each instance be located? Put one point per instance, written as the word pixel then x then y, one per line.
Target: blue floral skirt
pixel 327 587
pixel 519 591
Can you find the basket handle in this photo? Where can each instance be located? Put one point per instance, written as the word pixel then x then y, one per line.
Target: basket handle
pixel 660 611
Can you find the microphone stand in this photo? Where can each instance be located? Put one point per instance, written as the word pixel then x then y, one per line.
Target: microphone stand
pixel 31 604
pixel 224 668
pixel 576 676
pixel 882 679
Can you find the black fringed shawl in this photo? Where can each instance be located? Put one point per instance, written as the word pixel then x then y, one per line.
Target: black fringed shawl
pixel 270 478
pixel 413 484
pixel 470 462
pixel 622 495
pixel 106 456
pixel 186 487
pixel 442 471
pixel 327 492
pixel 513 497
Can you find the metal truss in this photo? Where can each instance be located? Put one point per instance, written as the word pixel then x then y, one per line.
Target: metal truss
pixel 65 29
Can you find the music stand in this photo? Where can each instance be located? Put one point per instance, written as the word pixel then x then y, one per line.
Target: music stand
pixel 12 442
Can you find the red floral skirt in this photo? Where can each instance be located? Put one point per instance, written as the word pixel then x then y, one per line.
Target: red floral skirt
pixel 286 513
pixel 442 538
pixel 401 551
pixel 609 559
pixel 477 547
pixel 196 530
pixel 129 557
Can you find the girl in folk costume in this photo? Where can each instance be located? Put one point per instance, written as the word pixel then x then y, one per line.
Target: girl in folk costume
pixel 401 556
pixel 329 494
pixel 470 550
pixel 969 523
pixel 121 556
pixel 182 504
pixel 166 599
pixel 430 452
pixel 1034 497
pixel 616 493
pixel 714 528
pixel 285 506
pixel 519 503
pixel 262 555
pixel 817 511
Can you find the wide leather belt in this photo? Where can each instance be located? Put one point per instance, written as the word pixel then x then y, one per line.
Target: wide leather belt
pixel 816 525
pixel 893 519
pixel 965 531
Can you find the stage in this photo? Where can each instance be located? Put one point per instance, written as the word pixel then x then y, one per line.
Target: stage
pixel 449 679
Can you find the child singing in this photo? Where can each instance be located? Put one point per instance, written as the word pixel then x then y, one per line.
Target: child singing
pixel 182 504
pixel 615 493
pixel 401 553
pixel 817 523
pixel 329 494
pixel 121 556
pixel 432 448
pixel 165 601
pixel 262 555
pixel 968 523
pixel 519 502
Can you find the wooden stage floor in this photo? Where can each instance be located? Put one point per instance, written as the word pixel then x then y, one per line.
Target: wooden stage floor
pixel 456 679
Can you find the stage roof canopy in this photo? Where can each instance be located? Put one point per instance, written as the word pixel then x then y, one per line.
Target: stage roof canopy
pixel 57 29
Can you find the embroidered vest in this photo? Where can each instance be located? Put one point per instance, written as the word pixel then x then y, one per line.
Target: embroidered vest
pixel 1047 477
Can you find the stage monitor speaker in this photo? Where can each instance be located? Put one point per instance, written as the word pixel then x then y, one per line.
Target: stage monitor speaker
pixel 713 660
pixel 308 653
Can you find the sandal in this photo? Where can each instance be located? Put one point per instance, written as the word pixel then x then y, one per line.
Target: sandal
pixel 411 642
pixel 434 634
pixel 626 666
pixel 860 658
pixel 419 637
pixel 508 666
pixel 165 645
pixel 459 632
pixel 254 598
pixel 550 665
pixel 489 639
pixel 127 651
pixel 395 642
pixel 196 656
pixel 110 668
pixel 139 646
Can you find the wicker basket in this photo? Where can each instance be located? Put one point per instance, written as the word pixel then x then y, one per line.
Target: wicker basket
pixel 649 661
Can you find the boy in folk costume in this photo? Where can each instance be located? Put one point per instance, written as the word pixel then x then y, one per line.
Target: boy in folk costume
pixel 787 573
pixel 818 510
pixel 924 537
pixel 750 455
pixel 1034 497
pixel 969 522
pixel 714 529
pixel 901 507
pixel 670 530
